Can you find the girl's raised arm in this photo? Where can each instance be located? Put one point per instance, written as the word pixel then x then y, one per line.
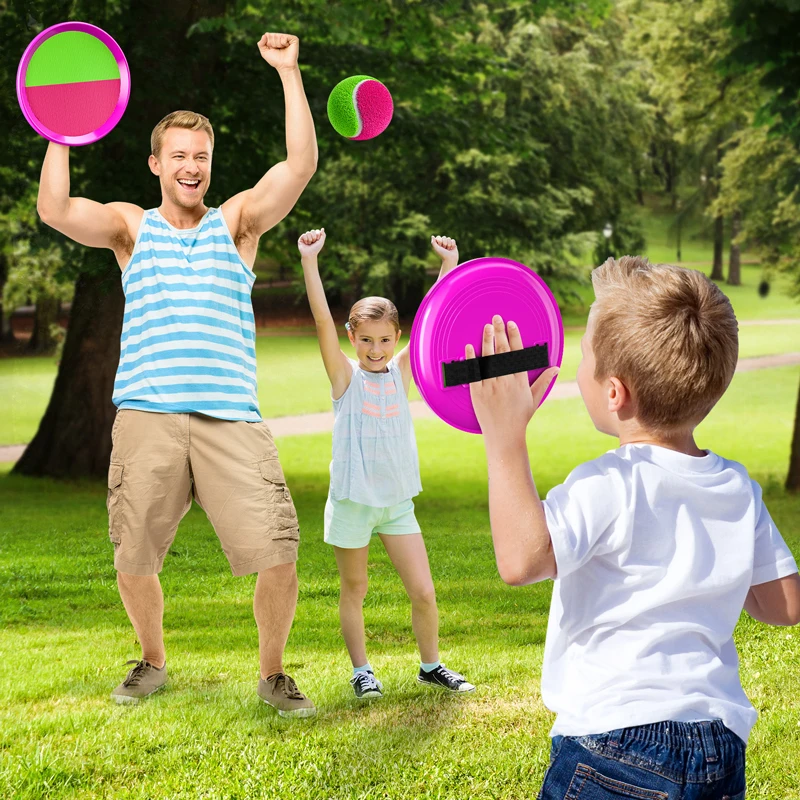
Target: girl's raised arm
pixel 447 249
pixel 336 363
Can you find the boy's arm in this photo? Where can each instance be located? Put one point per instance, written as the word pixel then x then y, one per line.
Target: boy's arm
pixel 447 250
pixel 504 406
pixel 775 602
pixel 256 210
pixel 336 364
pixel 84 221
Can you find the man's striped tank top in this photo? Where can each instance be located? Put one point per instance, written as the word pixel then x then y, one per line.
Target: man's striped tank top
pixel 188 334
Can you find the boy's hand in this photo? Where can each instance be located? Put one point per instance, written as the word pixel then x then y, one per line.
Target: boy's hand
pixel 279 50
pixel 311 242
pixel 445 248
pixel 504 406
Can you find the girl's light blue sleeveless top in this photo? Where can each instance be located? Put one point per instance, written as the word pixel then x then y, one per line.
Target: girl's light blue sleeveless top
pixel 188 334
pixel 375 460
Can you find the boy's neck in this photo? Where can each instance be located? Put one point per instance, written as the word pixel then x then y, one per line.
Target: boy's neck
pixel 681 441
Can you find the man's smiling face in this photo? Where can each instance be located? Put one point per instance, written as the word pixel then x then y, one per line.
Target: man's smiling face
pixel 183 166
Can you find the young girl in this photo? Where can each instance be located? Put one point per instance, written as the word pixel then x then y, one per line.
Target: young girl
pixel 375 470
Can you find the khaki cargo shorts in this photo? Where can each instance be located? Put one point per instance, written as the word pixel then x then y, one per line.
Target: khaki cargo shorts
pixel 159 462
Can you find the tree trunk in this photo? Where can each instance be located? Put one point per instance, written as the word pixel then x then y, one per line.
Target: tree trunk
pixel 735 263
pixel 719 223
pixel 669 178
pixel 639 188
pixel 719 248
pixel 6 333
pixel 42 340
pixel 793 478
pixel 74 436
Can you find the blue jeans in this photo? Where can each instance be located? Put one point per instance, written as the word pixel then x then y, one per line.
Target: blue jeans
pixel 662 761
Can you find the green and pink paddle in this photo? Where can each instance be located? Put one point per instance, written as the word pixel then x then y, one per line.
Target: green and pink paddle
pixel 73 83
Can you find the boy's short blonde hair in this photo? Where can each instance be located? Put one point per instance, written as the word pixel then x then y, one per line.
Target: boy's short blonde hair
pixel 373 308
pixel 669 334
pixel 179 119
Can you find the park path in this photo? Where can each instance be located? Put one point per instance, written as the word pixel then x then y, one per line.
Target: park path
pixel 323 422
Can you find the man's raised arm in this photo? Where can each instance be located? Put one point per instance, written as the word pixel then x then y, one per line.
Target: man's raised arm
pixel 274 196
pixel 84 221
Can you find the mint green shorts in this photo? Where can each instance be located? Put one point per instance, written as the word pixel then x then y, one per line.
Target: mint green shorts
pixel 351 525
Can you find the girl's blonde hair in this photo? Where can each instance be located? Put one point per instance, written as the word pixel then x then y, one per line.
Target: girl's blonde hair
pixel 669 334
pixel 179 119
pixel 373 308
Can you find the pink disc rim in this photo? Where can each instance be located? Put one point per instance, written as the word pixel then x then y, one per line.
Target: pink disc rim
pixel 440 332
pixel 124 85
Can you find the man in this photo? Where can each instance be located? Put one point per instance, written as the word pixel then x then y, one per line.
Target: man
pixel 188 423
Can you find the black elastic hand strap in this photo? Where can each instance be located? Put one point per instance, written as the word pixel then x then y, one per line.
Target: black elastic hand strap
pixel 472 370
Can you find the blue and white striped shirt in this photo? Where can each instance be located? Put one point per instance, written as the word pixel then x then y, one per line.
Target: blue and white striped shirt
pixel 188 335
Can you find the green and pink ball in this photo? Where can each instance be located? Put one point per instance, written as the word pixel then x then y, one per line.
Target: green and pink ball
pixel 360 107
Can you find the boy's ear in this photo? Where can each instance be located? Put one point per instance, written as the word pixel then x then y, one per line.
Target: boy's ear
pixel 618 395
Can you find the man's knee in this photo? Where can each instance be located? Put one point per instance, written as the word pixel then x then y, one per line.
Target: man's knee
pixel 280 575
pixel 133 582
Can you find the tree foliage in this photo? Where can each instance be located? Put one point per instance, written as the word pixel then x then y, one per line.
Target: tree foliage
pixel 513 134
pixel 766 37
pixel 762 175
pixel 702 103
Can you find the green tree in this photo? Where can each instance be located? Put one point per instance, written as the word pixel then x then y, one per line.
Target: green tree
pixel 766 37
pixel 704 105
pixel 761 174
pixel 515 134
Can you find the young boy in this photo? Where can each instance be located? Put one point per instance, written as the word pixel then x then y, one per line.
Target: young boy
pixel 655 547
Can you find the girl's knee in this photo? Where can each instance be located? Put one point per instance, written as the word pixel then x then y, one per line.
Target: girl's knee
pixel 353 589
pixel 423 597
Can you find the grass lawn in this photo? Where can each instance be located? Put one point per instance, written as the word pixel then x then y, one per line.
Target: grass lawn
pixel 291 379
pixel 64 638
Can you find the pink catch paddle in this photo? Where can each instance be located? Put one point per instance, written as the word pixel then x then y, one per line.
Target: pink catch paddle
pixel 453 314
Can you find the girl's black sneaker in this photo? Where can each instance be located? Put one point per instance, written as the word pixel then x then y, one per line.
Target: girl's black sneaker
pixel 366 685
pixel 445 679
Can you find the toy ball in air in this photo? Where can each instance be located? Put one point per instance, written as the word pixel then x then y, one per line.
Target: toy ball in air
pixel 360 107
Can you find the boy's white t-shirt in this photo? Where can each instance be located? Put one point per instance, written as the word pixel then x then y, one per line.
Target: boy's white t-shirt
pixel 656 551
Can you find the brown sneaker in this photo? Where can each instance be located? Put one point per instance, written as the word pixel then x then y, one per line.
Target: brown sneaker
pixel 281 692
pixel 140 682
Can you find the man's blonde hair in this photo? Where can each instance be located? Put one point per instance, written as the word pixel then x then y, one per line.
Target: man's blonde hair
pixel 669 334
pixel 179 119
pixel 373 308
